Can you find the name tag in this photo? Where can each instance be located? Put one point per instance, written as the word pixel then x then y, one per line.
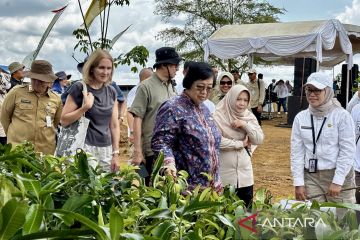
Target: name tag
pixel 306 127
pixel 48 121
pixel 25 101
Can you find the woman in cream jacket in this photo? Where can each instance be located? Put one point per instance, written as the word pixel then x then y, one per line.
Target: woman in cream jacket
pixel 240 132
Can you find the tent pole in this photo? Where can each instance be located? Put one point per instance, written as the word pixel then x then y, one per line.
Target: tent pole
pixel 317 65
pixel 251 60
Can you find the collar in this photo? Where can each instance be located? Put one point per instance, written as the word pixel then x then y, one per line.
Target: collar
pixel 30 89
pixel 165 82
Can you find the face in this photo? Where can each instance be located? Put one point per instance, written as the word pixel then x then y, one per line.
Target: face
pixel 225 84
pixel 19 74
pixel 200 90
pixel 314 96
pixel 252 76
pixel 64 82
pixel 103 71
pixel 236 75
pixel 39 86
pixel 173 68
pixel 242 101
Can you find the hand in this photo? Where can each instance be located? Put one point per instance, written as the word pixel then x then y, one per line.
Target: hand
pixel 138 158
pixel 334 190
pixel 246 141
pixel 300 193
pixel 238 123
pixel 88 100
pixel 259 109
pixel 115 163
pixel 171 170
pixel 131 138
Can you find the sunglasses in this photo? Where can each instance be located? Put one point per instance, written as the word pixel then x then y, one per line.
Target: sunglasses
pixel 229 83
pixel 315 91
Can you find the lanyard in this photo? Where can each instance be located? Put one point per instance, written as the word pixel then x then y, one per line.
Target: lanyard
pixel 313 132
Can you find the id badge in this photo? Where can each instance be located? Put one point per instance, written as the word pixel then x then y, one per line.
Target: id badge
pixel 48 121
pixel 312 165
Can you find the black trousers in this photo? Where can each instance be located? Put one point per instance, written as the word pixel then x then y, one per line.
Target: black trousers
pixel 149 166
pixel 257 115
pixel 3 140
pixel 246 194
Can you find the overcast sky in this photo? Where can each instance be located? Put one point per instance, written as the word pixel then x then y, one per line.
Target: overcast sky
pixel 22 23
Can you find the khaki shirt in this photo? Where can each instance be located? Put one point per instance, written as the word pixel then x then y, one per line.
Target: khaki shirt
pixel 23 116
pixel 149 97
pixel 257 97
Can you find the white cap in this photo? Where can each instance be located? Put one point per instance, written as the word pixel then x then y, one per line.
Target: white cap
pixel 252 70
pixel 320 80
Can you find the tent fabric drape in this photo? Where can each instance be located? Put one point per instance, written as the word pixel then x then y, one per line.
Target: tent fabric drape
pixel 281 40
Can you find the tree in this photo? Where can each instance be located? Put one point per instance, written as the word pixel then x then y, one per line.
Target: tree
pixel 101 8
pixel 204 17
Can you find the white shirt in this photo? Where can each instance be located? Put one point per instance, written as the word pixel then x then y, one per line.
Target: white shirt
pixel 335 148
pixel 131 96
pixel 282 91
pixel 354 101
pixel 355 114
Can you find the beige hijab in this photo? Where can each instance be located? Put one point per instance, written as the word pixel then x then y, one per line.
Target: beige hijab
pixel 327 106
pixel 226 113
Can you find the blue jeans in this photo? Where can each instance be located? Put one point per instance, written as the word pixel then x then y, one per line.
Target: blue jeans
pixel 281 102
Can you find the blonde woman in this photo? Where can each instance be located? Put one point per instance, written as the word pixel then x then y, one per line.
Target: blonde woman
pixel 240 131
pixel 100 107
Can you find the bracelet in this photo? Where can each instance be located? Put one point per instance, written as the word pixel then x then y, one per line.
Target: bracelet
pixel 116 152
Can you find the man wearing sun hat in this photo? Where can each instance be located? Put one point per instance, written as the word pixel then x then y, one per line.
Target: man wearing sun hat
pixel 32 112
pixel 17 74
pixel 149 96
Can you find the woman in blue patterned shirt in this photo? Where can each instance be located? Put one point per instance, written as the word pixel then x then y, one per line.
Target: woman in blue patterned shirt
pixel 186 132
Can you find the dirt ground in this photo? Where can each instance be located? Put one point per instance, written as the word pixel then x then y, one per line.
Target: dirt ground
pixel 271 160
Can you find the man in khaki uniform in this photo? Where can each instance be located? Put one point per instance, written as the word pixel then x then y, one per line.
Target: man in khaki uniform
pixel 32 112
pixel 257 91
pixel 149 96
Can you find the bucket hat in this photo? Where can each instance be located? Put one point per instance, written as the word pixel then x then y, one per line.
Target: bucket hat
pixel 81 64
pixel 14 66
pixel 41 70
pixel 62 75
pixel 166 55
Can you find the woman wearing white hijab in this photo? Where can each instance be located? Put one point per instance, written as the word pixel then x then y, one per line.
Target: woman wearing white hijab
pixel 240 131
pixel 323 145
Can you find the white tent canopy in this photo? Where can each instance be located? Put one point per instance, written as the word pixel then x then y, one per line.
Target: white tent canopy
pixel 326 41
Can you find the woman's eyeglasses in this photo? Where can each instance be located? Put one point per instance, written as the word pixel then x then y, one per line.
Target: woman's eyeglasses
pixel 229 83
pixel 204 88
pixel 315 91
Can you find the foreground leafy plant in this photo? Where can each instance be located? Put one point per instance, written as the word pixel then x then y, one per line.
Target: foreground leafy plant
pixel 54 198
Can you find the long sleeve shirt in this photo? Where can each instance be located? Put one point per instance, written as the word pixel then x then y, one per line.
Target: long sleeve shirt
pixel 257 92
pixel 355 114
pixel 335 148
pixel 354 101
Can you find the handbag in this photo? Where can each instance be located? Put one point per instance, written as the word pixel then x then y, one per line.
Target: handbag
pixel 73 136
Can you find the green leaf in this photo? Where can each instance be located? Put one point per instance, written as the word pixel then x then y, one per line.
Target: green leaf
pixel 164 230
pixel 196 206
pixel 58 234
pixel 225 221
pixel 159 213
pixel 156 168
pixel 132 236
pixel 116 223
pixel 100 217
pixel 32 185
pixel 33 219
pixel 13 215
pixel 84 220
pixel 74 203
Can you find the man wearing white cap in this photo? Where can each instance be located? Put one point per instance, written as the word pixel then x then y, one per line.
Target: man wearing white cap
pixel 17 74
pixel 323 145
pixel 257 90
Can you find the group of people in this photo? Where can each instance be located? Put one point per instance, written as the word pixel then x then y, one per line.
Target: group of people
pixel 33 112
pixel 217 139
